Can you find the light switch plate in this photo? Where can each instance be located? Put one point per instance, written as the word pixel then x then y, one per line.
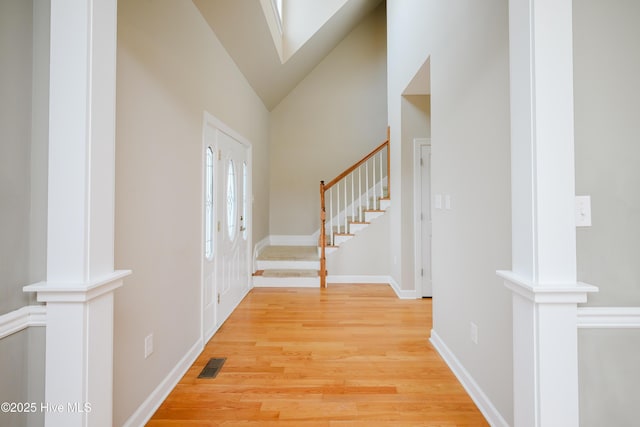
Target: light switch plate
pixel 583 211
pixel 438 201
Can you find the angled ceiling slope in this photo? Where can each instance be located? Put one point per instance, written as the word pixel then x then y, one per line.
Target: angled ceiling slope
pixel 242 28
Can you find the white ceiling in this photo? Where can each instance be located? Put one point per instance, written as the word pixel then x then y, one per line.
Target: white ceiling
pixel 242 29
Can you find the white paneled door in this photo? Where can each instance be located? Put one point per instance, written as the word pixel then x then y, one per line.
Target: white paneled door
pixel 233 276
pixel 226 218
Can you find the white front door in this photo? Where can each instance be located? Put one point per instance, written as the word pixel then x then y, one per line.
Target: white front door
pixel 422 204
pixel 232 262
pixel 226 219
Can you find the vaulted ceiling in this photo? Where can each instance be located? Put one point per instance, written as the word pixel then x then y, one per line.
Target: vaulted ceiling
pixel 242 28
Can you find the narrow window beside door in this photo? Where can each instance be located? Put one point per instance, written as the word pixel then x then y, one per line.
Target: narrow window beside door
pixel 208 205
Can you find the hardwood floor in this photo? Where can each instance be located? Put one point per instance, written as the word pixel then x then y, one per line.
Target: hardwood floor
pixel 348 355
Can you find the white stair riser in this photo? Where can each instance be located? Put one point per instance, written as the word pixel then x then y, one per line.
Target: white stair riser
pixel 286 282
pixel 287 265
pixel 354 228
pixel 384 204
pixel 330 250
pixel 338 240
pixel 369 216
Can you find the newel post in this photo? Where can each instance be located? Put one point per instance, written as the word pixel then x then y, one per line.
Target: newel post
pixel 323 239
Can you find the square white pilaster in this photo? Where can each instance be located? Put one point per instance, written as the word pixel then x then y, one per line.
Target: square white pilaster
pixel 80 281
pixel 543 277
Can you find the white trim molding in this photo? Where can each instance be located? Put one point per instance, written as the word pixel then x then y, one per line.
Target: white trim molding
pixel 574 293
pixel 609 317
pixel 146 410
pixel 476 393
pixel 387 280
pixel 22 318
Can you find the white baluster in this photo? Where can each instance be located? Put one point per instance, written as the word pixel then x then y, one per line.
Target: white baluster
pixel 331 216
pixel 381 172
pixel 366 175
pixel 373 164
pixel 353 199
pixel 360 193
pixel 338 202
pixel 345 205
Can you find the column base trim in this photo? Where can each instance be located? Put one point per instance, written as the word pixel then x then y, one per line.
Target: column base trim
pixel 65 292
pixel 547 293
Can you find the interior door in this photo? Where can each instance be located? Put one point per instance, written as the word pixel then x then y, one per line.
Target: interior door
pixel 425 208
pixel 232 257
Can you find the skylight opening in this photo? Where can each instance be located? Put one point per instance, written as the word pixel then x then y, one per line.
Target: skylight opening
pixel 277 7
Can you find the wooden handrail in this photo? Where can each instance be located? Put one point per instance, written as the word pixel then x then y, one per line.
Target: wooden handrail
pixel 355 166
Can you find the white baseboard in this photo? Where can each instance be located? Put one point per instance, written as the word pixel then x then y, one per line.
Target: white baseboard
pixel 478 396
pixel 155 399
pixel 22 318
pixel 609 317
pixel 346 278
pixel 401 293
pixel 286 282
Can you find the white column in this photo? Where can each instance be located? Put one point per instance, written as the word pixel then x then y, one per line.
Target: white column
pixel 81 279
pixel 543 276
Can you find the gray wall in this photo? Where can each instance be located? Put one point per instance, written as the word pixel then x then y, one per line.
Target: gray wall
pixel 332 119
pixel 171 67
pixel 15 151
pixel 467 43
pixel 23 154
pixel 607 134
pixel 22 373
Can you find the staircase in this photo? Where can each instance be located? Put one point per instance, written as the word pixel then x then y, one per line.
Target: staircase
pixel 348 205
pixel 337 235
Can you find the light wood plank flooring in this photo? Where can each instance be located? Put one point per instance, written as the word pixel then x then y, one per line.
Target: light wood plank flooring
pixel 349 355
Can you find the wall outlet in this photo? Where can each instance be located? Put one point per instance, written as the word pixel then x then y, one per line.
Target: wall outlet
pixel 474 333
pixel 148 345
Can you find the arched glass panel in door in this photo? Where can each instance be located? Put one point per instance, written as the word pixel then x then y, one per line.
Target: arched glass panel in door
pixel 232 203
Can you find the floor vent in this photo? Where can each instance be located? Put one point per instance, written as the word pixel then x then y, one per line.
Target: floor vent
pixel 213 367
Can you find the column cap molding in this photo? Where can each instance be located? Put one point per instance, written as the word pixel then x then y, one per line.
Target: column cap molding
pixel 561 293
pixel 81 292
